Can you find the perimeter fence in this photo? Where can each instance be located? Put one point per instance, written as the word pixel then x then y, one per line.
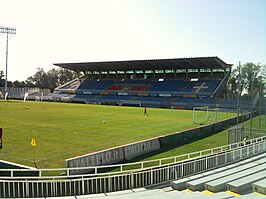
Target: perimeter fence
pixel 124 176
pixel 243 134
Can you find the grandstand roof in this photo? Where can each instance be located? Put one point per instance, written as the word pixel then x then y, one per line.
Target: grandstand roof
pixel 151 64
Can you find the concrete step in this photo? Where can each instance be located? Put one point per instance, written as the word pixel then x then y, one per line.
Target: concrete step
pixel 243 184
pixel 260 186
pixel 180 184
pixel 220 184
pixel 251 196
pixel 199 184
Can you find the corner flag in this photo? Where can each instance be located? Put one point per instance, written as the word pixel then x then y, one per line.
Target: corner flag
pixel 33 142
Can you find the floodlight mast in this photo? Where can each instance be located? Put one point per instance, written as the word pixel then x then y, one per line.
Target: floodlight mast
pixel 8 32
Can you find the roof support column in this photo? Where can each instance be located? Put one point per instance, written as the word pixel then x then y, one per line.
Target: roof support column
pixel 175 74
pixel 85 74
pixel 100 74
pixel 186 74
pixel 199 73
pixel 154 76
pixel 77 73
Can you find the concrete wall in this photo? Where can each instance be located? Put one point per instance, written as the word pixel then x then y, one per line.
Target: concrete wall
pixel 113 155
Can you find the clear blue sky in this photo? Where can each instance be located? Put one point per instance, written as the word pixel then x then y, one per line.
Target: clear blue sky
pixel 58 31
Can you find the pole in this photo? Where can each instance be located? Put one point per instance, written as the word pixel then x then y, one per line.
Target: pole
pixel 34 158
pixel 238 95
pixel 265 110
pixel 251 104
pixel 1 138
pixel 8 31
pixel 6 60
pixel 260 105
pixel 33 144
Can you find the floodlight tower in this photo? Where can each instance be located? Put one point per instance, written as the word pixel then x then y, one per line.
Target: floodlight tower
pixel 7 33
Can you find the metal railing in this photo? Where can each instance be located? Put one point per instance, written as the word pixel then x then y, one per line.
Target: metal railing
pixel 125 176
pixel 24 90
pixel 173 93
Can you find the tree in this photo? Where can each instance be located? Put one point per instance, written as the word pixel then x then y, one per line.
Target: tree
pixel 53 79
pixel 39 79
pixel 65 75
pixel 252 77
pixel 233 83
pixel 22 84
pixel 2 81
pixel 50 79
pixel 2 75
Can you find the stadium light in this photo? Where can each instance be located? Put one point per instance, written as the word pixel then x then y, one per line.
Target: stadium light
pixel 7 33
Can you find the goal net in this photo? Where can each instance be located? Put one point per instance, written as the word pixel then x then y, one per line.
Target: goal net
pixel 205 115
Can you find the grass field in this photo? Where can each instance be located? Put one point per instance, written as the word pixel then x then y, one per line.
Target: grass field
pixel 64 130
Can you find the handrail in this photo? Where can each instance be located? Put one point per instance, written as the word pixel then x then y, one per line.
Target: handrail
pixel 122 168
pixel 142 92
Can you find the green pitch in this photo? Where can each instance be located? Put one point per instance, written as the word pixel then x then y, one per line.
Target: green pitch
pixel 65 130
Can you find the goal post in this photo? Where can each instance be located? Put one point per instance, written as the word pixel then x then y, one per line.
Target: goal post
pixel 205 115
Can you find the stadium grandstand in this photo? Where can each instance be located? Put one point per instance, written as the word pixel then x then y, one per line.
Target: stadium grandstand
pixel 171 83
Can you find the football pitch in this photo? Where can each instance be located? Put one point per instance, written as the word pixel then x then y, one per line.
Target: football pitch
pixel 65 130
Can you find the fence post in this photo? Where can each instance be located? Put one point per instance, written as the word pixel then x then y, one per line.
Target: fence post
pixel 168 170
pixel 216 160
pixel 27 189
pixel 241 152
pixel 109 184
pixel 132 180
pixel 182 169
pixel 83 186
pixel 151 176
